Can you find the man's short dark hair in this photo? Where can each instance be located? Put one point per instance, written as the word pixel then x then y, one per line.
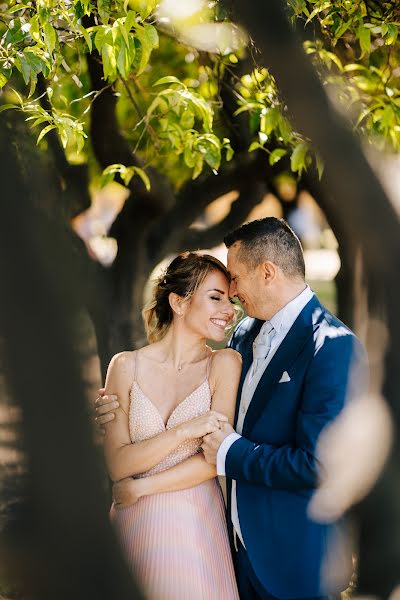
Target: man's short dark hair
pixel 269 239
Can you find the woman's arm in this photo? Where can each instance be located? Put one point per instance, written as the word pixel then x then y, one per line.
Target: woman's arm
pixel 225 372
pixel 224 380
pixel 124 458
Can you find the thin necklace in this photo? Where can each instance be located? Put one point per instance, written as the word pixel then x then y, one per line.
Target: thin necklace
pixel 183 363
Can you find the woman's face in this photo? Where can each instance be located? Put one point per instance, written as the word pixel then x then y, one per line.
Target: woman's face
pixel 209 311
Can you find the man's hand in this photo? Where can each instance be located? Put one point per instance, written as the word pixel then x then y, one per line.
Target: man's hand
pixel 126 492
pixel 104 405
pixel 212 442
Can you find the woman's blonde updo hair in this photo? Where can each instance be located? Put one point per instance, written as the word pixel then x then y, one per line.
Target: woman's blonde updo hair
pixel 183 276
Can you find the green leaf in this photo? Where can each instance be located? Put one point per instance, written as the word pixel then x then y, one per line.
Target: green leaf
pixel 3 80
pixel 269 120
pixel 364 37
pixel 276 155
pixel 15 33
pixel 343 27
pixel 320 165
pixel 187 119
pixel 354 67
pixel 198 167
pixel 392 34
pixel 226 143
pixel 123 61
pixel 99 38
pixel 23 66
pixel 168 79
pixel 388 118
pixel 123 31
pixel 384 29
pixel 210 148
pixel 108 56
pixel 16 8
pixel 44 132
pixel 34 28
pixel 50 37
pixel 7 107
pixel 317 10
pixel 144 177
pixel 86 37
pixel 152 35
pixel 254 146
pixel 298 158
pixel 148 38
pixel 189 156
pixel 158 102
pixel 104 8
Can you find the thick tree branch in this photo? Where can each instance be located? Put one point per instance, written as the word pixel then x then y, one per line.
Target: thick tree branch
pixel 251 194
pixel 110 146
pixel 169 232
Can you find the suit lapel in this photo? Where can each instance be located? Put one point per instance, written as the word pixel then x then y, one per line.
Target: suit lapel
pixel 247 358
pixel 286 354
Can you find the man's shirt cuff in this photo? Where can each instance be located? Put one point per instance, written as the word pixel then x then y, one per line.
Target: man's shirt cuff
pixel 223 451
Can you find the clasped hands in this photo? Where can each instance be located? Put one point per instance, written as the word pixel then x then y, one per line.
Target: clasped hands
pixel 127 491
pixel 212 442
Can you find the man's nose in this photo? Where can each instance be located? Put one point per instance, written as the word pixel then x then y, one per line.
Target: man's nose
pixel 228 309
pixel 232 289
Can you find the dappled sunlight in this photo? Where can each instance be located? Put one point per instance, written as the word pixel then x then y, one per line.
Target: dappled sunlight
pixel 354 448
pixel 93 224
pixel 193 24
pixel 326 331
pixel 322 264
pixel 352 452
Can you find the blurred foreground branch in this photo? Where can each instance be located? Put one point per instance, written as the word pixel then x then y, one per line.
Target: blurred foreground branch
pixel 368 219
pixel 66 546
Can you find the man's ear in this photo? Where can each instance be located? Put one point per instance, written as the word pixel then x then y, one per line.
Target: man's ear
pixel 177 303
pixel 269 271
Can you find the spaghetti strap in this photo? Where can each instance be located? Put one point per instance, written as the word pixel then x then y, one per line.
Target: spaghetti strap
pixel 136 364
pixel 209 365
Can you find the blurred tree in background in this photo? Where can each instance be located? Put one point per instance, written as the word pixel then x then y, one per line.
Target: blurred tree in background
pixel 175 103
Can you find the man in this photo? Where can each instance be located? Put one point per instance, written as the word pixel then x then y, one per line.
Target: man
pixel 297 362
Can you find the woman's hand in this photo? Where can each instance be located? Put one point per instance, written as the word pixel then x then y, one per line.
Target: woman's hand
pixel 203 425
pixel 127 491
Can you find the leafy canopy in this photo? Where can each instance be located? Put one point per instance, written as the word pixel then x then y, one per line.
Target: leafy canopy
pixel 169 70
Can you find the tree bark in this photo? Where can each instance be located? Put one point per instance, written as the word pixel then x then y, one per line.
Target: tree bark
pixel 67 547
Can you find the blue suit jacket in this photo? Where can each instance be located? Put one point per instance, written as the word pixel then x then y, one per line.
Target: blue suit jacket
pixel 275 464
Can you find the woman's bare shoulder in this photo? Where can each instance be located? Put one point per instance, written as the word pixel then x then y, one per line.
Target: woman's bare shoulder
pixel 227 358
pixel 122 362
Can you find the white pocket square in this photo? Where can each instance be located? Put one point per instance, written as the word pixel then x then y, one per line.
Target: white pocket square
pixel 285 377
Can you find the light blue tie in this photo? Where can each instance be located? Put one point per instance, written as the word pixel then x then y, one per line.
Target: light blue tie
pixel 262 346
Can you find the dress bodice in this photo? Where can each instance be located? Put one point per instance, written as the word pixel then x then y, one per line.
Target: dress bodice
pixel 145 422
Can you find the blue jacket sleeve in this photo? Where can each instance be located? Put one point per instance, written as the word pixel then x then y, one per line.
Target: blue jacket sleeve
pixel 328 383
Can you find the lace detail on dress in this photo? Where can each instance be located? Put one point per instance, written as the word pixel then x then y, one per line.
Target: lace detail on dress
pixel 145 422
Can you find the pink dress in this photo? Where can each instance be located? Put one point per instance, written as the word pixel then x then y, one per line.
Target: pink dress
pixel 176 543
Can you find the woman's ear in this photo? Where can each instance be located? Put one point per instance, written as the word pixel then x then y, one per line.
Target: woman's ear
pixel 176 302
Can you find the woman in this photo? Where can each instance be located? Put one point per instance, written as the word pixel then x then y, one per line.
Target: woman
pixel 172 393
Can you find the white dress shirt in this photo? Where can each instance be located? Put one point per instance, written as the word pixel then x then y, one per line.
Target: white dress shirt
pixel 282 321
